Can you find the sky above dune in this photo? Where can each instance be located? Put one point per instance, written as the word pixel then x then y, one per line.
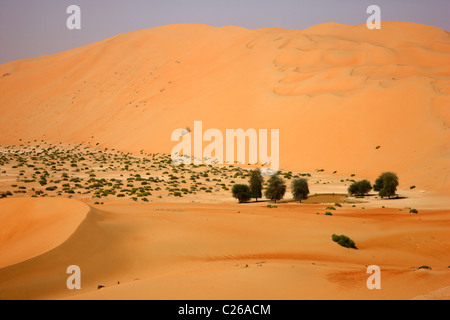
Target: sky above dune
pixel 31 28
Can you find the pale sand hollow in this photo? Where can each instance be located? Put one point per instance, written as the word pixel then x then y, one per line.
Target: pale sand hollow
pixel 336 92
pixel 31 227
pixel 232 251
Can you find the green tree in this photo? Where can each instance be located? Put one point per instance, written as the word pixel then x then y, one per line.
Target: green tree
pixel 241 192
pixel 276 188
pixel 300 189
pixel 360 188
pixel 256 183
pixel 386 184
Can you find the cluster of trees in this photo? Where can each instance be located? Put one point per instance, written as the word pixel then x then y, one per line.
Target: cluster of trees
pixel 386 185
pixel 275 190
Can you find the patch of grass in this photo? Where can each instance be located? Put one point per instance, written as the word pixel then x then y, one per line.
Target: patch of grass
pixel 344 241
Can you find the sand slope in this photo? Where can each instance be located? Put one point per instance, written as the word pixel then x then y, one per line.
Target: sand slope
pixel 336 92
pixel 231 251
pixel 31 227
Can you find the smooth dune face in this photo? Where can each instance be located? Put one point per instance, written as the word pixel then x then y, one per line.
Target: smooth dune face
pixel 31 227
pixel 336 92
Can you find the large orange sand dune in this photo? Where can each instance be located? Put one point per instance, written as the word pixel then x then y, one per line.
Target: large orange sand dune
pixel 336 92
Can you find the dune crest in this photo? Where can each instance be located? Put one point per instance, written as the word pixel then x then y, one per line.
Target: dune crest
pixel 33 226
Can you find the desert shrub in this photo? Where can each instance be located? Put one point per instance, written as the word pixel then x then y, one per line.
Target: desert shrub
pixel 241 192
pixel 53 188
pixel 360 188
pixel 276 188
pixel 344 241
pixel 300 189
pixel 424 267
pixel 338 204
pixel 386 184
pixel 413 211
pixel 256 184
pixel 330 208
pixel 328 213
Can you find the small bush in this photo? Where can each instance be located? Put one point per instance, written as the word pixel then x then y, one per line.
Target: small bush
pixel 328 213
pixel 240 192
pixel 413 211
pixel 360 188
pixel 424 267
pixel 344 241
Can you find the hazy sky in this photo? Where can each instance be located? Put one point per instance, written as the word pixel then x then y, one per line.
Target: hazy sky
pixel 30 28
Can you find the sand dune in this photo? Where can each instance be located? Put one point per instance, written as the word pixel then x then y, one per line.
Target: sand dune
pixel 31 227
pixel 334 91
pixel 348 100
pixel 230 251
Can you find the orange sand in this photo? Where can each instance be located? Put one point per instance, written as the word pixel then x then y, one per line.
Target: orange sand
pixel 231 251
pixel 30 227
pixel 336 92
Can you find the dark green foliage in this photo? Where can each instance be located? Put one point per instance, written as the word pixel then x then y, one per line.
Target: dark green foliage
pixel 256 183
pixel 276 188
pixel 386 184
pixel 241 192
pixel 300 189
pixel 360 188
pixel 344 241
pixel 413 211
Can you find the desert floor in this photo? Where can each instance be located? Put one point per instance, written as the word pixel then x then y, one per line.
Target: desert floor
pixel 185 242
